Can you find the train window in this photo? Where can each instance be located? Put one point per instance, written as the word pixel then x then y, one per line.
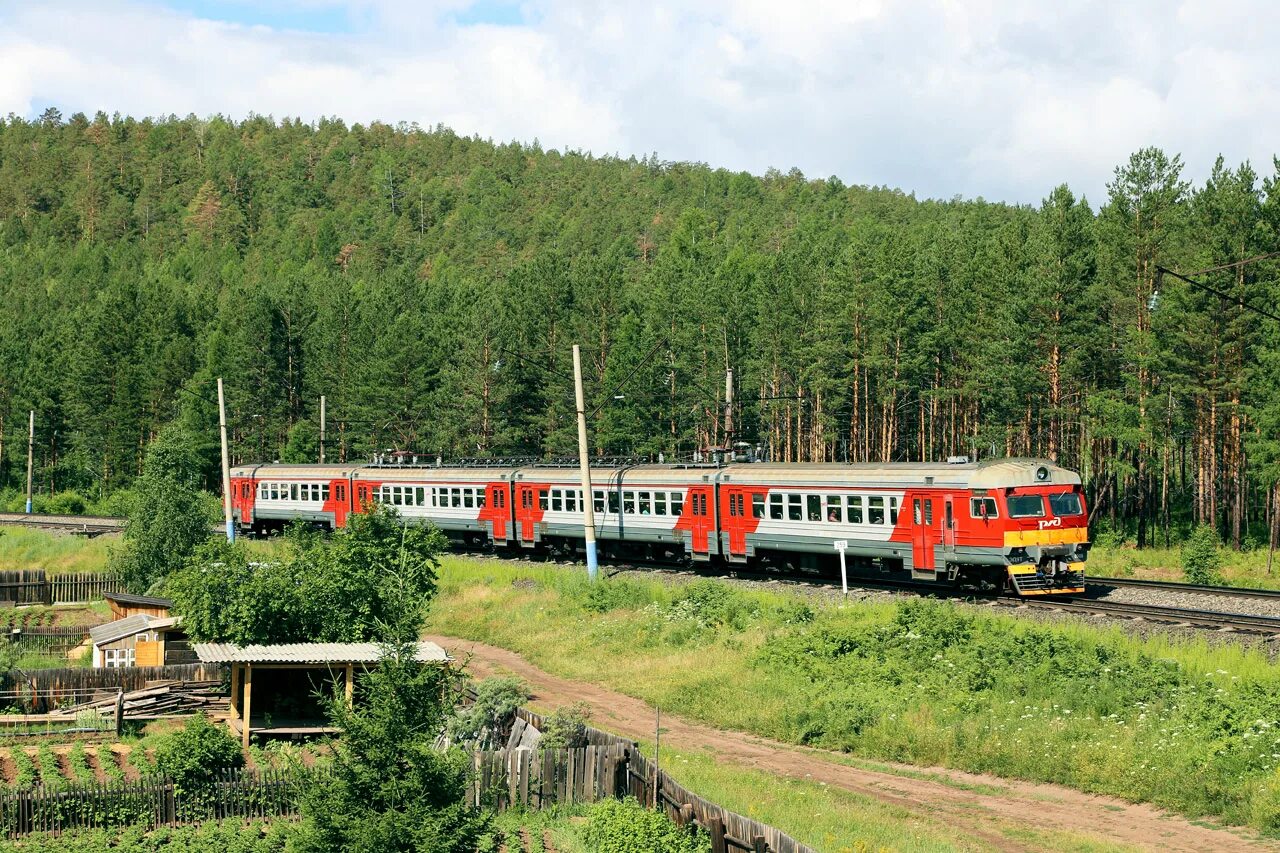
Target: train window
pixel 420 496
pixel 315 491
pixel 733 505
pixel 571 500
pixel 853 505
pixel 342 492
pixel 775 506
pixel 814 507
pixel 324 493
pixel 875 510
pixel 1025 506
pixel 455 497
pixel 293 491
pixel 659 503
pixel 469 498
pixel 645 502
pixel 915 511
pixel 834 509
pixel 983 508
pixel 677 503
pixel 597 501
pixel 794 509
pixel 757 505
pixel 928 512
pixel 628 503
pixel 893 510
pixel 613 501
pixel 1065 503
pixel 557 501
pixel 542 499
pixel 397 496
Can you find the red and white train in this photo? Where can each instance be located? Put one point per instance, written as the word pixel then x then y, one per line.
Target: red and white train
pixel 1015 524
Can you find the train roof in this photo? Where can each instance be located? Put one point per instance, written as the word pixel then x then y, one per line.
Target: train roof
pixel 313 471
pixel 988 474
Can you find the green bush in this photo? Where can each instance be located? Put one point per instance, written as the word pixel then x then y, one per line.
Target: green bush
pixel 227 836
pixel 194 757
pixel 496 701
pixel 1201 558
pixel 566 728
pixel 625 826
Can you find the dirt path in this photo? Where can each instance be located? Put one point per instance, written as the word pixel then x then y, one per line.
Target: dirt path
pixel 966 801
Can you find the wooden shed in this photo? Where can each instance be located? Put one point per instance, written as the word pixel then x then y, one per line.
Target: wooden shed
pixel 140 640
pixel 287 676
pixel 125 604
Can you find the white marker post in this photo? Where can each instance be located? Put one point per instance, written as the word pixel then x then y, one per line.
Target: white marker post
pixel 840 545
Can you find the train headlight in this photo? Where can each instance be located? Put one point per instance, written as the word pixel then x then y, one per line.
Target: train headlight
pixel 1042 474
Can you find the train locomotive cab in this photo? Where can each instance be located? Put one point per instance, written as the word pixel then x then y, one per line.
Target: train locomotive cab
pixel 1045 530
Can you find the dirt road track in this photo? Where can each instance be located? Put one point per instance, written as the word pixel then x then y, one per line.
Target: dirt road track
pixel 949 798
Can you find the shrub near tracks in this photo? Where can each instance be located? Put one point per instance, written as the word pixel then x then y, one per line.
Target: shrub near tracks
pixel 1183 725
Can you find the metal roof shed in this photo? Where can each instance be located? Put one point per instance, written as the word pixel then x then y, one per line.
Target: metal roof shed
pixel 282 656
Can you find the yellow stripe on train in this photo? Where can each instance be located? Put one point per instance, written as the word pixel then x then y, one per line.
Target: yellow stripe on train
pixel 1052 536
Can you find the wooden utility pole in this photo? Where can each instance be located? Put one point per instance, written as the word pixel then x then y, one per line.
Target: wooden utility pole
pixel 31 449
pixel 226 465
pixel 728 412
pixel 584 463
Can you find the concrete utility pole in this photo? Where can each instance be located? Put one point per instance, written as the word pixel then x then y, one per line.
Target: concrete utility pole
pixel 728 411
pixel 321 429
pixel 584 462
pixel 31 454
pixel 226 469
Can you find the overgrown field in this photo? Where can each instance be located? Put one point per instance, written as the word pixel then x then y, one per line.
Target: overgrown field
pixel 1181 724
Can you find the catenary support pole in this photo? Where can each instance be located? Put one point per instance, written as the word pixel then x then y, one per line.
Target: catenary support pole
pixel 728 412
pixel 226 465
pixel 584 462
pixel 31 455
pixel 321 429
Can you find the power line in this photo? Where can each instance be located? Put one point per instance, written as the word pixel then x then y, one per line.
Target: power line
pixel 1239 300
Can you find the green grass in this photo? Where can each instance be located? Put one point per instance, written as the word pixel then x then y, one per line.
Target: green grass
pixel 931 684
pixel 56 553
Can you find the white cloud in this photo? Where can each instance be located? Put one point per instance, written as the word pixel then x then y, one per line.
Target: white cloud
pixel 941 97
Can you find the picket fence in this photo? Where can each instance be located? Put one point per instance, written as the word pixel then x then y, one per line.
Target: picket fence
pixel 35 586
pixel 244 794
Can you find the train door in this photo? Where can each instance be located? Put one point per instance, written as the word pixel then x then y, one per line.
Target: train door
pixel 948 526
pixel 698 517
pixel 740 512
pixel 496 513
pixel 364 495
pixel 530 505
pixel 922 535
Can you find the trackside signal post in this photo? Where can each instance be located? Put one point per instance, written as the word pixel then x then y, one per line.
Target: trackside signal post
pixel 584 462
pixel 226 467
pixel 841 545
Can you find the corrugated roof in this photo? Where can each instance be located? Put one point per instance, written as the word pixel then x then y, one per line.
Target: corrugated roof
pixel 129 626
pixel 139 600
pixel 307 653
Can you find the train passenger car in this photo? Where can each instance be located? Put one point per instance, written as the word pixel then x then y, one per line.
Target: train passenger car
pixel 471 506
pixel 1010 523
pixel 659 512
pixel 265 498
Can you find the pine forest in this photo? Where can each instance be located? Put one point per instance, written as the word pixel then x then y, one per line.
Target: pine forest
pixel 431 287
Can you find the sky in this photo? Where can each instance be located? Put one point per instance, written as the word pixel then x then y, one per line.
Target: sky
pixel 942 98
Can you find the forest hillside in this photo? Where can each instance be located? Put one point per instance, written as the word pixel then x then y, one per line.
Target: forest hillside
pixel 431 286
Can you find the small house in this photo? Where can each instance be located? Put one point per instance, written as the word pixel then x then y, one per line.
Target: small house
pixel 140 640
pixel 125 604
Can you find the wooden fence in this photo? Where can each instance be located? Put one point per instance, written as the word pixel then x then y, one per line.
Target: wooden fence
pixel 34 586
pixel 50 639
pixel 243 794
pixel 610 767
pixel 38 690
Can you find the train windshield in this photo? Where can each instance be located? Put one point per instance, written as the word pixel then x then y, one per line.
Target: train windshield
pixel 1025 506
pixel 1067 503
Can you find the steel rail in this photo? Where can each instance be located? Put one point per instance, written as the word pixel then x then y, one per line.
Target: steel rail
pixel 1178 586
pixel 1243 622
pixel 88 523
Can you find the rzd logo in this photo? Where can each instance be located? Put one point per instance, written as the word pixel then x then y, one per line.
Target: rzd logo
pixel 1049 522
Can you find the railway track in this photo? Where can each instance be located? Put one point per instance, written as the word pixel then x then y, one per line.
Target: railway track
pixel 1244 623
pixel 1175 586
pixel 85 525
